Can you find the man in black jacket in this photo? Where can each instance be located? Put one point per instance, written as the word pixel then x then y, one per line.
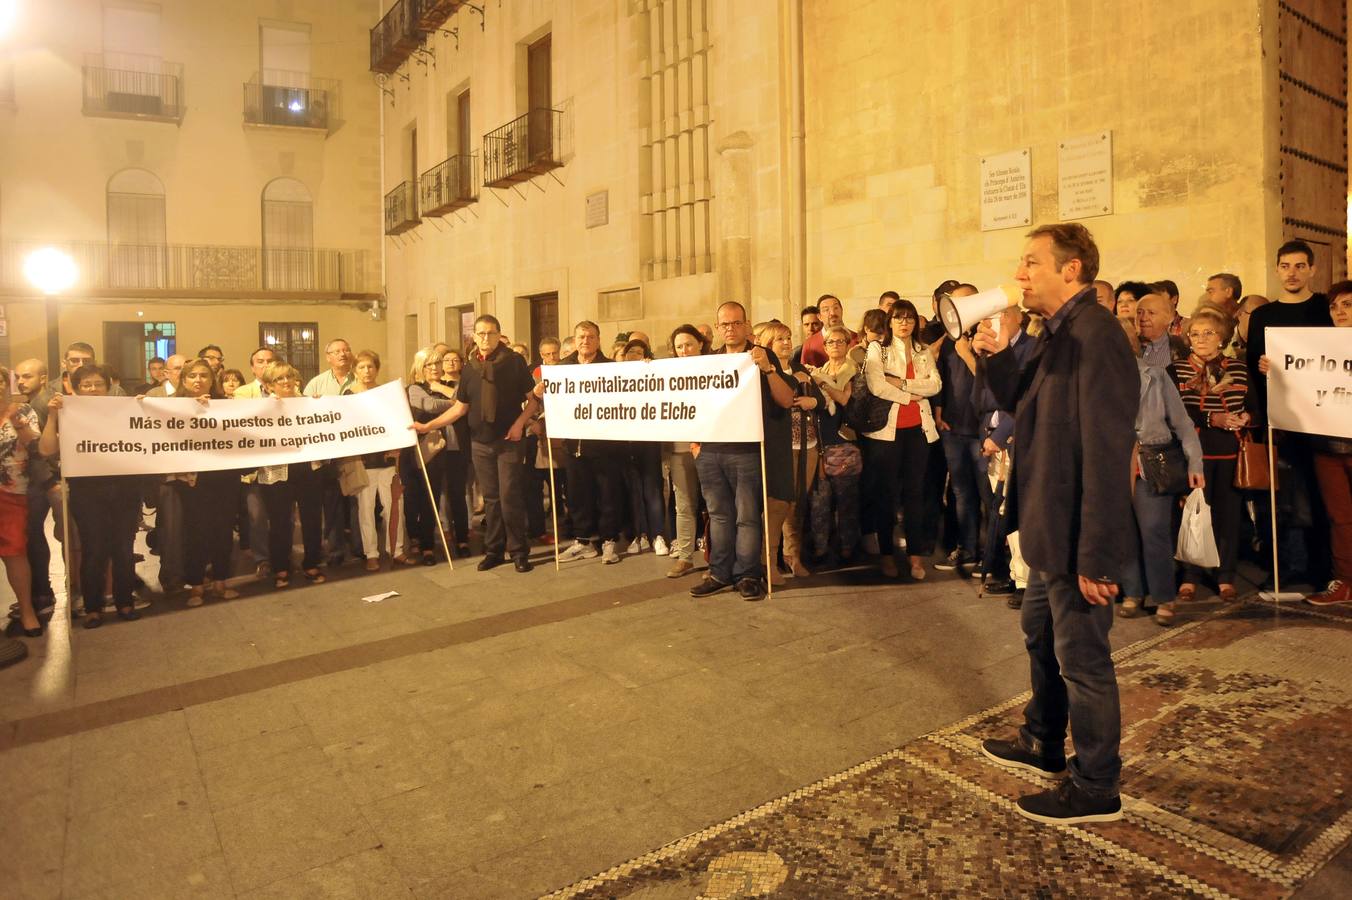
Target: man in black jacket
pixel 1075 411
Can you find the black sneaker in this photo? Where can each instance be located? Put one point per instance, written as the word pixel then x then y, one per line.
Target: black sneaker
pixel 1016 755
pixel 1015 600
pixel 751 589
pixel 709 586
pixel 953 560
pixel 1066 804
pixel 999 588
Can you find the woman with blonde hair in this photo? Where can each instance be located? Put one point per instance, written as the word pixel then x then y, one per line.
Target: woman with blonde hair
pixel 784 516
pixel 288 489
pixel 382 480
pixel 428 398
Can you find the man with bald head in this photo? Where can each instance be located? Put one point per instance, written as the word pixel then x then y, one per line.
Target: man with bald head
pixel 31 378
pixel 1154 313
pixel 173 367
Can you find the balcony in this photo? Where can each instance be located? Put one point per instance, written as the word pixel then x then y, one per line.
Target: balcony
pixel 401 208
pixel 396 36
pixel 402 29
pixel 289 100
pixel 181 271
pixel 523 148
pixel 449 186
pixel 131 86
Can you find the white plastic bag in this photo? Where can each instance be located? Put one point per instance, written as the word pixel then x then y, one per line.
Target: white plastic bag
pixel 1196 541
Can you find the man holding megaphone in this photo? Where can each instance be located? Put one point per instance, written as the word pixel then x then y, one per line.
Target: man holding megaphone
pixel 1075 411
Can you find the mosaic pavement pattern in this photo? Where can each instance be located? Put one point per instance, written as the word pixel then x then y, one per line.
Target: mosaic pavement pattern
pixel 1236 740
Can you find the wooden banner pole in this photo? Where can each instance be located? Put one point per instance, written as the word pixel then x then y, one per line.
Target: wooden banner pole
pixel 436 514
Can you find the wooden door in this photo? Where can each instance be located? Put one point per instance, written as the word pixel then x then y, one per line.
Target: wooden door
pixel 544 320
pixel 539 97
pixel 124 351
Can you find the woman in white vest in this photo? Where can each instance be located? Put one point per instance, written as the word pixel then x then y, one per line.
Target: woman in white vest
pixel 898 368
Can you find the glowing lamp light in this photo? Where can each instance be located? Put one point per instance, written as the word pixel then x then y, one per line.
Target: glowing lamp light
pixel 50 270
pixel 295 105
pixel 270 340
pixel 9 15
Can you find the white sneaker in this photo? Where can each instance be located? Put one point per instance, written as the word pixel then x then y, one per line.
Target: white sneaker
pixel 589 551
pixel 608 554
pixel 643 543
pixel 660 546
pixel 576 551
pixel 634 547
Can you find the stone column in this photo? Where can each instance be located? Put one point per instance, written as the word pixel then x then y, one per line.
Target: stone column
pixel 736 203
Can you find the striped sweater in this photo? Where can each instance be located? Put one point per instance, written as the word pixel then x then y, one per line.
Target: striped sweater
pixel 1217 385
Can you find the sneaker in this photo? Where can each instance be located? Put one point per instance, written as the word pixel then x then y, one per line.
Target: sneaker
pixel 953 560
pixel 1016 755
pixel 633 549
pixel 578 550
pixel 751 589
pixel 137 603
pixel 589 550
pixel 608 554
pixel 660 546
pixel 708 587
pixel 1067 804
pixel 643 543
pixel 1015 600
pixel 1337 592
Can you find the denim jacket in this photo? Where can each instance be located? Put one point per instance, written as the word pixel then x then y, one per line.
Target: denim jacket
pixel 1162 417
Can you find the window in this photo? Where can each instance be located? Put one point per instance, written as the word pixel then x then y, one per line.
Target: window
pixel 288 236
pixel 161 339
pixel 284 54
pixel 136 231
pixel 295 342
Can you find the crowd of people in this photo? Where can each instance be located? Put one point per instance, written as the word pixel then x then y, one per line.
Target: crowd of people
pixel 884 445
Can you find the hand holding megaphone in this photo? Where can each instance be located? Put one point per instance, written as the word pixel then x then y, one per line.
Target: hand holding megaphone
pixel 961 315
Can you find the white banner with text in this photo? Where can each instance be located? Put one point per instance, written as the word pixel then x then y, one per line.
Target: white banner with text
pixel 1310 380
pixel 693 398
pixel 159 435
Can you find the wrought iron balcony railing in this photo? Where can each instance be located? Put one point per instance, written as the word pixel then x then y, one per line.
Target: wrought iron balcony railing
pixel 130 86
pixel 188 271
pixel 523 148
pixel 402 29
pixel 289 99
pixel 401 208
pixel 396 35
pixel 449 186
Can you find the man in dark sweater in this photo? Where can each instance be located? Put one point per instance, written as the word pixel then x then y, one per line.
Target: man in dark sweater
pixel 497 393
pixel 1302 549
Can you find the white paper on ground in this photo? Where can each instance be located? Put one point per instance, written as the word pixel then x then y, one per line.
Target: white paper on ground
pixel 376 598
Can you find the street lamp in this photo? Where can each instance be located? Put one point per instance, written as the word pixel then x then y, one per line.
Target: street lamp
pixel 52 272
pixel 9 15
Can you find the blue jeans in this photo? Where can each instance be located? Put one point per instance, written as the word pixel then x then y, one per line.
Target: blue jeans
pixel 731 484
pixel 966 470
pixel 1073 681
pixel 1154 522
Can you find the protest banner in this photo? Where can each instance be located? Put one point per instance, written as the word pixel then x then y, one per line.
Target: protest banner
pixel 1310 380
pixel 695 398
pixel 153 435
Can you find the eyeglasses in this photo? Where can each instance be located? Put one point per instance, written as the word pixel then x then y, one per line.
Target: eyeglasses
pixel 904 320
pixel 731 324
pixel 486 335
pixel 1199 335
pixel 835 342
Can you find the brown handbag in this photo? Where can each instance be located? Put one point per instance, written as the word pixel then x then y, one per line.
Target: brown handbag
pixel 1251 465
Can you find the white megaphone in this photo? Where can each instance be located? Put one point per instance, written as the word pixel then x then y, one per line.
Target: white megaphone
pixel 961 315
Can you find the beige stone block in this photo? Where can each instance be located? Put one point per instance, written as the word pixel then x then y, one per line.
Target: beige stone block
pixel 847 215
pixel 928 200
